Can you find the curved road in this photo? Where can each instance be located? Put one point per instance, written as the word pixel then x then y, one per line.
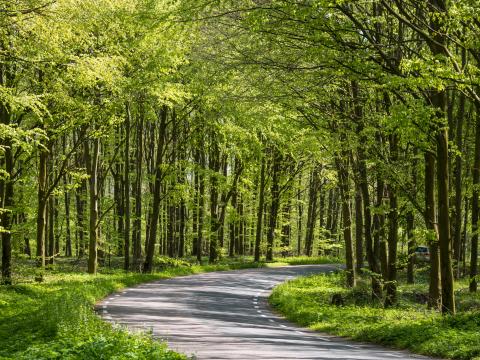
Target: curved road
pixel 225 315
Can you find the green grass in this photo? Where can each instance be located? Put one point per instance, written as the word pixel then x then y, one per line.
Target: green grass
pixel 55 319
pixel 304 260
pixel 409 325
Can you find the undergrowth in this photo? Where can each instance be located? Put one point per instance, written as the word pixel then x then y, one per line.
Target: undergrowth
pixel 409 325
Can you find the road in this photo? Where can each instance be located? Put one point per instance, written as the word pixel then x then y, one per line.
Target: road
pixel 225 315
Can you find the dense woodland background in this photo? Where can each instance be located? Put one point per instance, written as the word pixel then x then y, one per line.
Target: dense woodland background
pixel 141 129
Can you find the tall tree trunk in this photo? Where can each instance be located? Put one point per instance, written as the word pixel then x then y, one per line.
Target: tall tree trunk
pixel 241 226
pixel 261 205
pixel 80 202
pixel 201 206
pixel 137 223
pixel 475 208
pixel 171 232
pixel 391 284
pixel 410 219
pixel 312 210
pixel 358 229
pixel 51 231
pixel 439 101
pixel 182 220
pixel 430 222
pixel 126 190
pixel 233 226
pixel 299 218
pixel 7 202
pixel 42 207
pixel 152 235
pixel 195 204
pixel 119 213
pixel 379 244
pixel 68 235
pixel 342 169
pixel 275 203
pixel 92 158
pixel 457 242
pixel 224 168
pixel 286 227
pixel 214 165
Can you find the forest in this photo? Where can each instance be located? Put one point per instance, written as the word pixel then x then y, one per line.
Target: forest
pixel 141 133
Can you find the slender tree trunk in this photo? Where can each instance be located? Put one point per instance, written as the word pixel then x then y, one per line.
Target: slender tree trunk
pixel 151 161
pixel 410 220
pixel 42 207
pixel 152 235
pixel 300 216
pixel 80 202
pixel 312 210
pixel 233 226
pixel 286 227
pixel 275 203
pixel 171 232
pixel 475 208
pixel 201 207
pixel 137 223
pixel 183 214
pixel 7 202
pixel 391 284
pixel 126 191
pixel 241 226
pixel 342 168
pixel 118 196
pixel 214 165
pixel 51 231
pixel 430 222
pixel 457 242
pixel 358 230
pixel 261 204
pixel 68 235
pixel 221 232
pixel 92 158
pixel 195 205
pixel 379 244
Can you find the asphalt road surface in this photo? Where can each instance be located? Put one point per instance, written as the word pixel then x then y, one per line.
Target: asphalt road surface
pixel 225 315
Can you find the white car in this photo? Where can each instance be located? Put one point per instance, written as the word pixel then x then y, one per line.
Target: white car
pixel 422 253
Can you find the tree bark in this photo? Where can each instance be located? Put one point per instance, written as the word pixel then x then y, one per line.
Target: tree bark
pixel 342 169
pixel 152 235
pixel 261 204
pixel 201 207
pixel 475 208
pixel 137 223
pixel 391 284
pixel 7 203
pixel 312 210
pixel 126 191
pixel 92 158
pixel 42 207
pixel 275 203
pixel 430 222
pixel 358 230
pixel 214 165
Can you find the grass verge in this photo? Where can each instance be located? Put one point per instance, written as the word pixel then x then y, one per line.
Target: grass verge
pixel 409 325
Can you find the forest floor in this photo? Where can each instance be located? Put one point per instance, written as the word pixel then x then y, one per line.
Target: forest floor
pixel 408 325
pixel 54 318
